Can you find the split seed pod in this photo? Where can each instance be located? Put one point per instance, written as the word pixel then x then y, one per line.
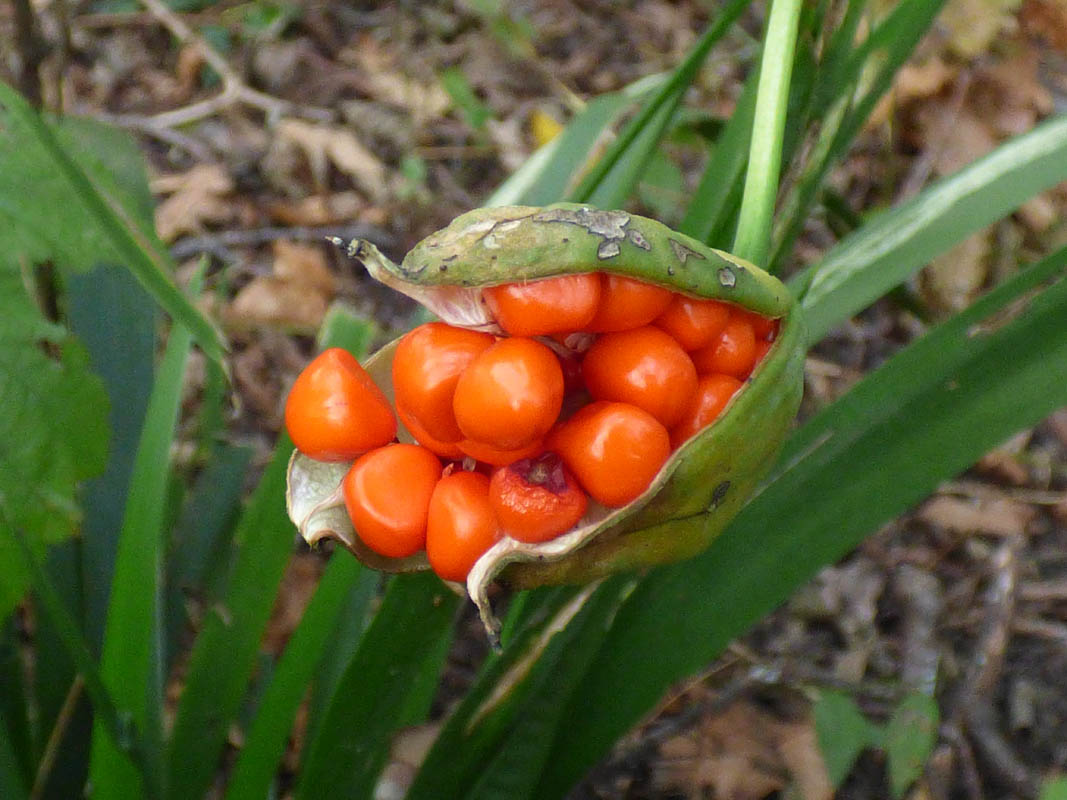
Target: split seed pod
pixel 703 484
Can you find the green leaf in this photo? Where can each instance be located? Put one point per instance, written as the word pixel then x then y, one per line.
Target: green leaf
pixel 109 311
pixel 115 723
pixel 1053 789
pixel 897 242
pixel 59 202
pixel 370 702
pixel 199 556
pixel 475 112
pixel 850 85
pixel 266 739
pixel 548 174
pixel 910 737
pixel 719 191
pixel 768 128
pixel 843 733
pixel 224 654
pixel 53 432
pixel 15 729
pixel 496 742
pixel 131 661
pixel 613 176
pixel 11 776
pixel 928 413
pixel 341 647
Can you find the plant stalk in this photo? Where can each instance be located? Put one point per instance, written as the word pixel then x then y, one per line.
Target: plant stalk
pixel 765 154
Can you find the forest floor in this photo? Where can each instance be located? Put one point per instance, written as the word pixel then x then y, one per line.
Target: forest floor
pixel 384 121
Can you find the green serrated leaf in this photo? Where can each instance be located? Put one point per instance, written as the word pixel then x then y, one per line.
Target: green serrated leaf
pixel 910 736
pixel 60 202
pixel 53 432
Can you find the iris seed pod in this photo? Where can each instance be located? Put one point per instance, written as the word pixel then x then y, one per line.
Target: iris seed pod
pixel 703 484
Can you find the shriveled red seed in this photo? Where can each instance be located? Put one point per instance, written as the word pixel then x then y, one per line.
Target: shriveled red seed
pixel 536 499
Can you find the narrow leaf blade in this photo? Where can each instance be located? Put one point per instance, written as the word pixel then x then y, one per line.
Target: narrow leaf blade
pixel 895 244
pixel 925 415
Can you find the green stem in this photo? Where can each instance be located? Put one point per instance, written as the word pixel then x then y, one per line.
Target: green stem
pixel 117 723
pixel 670 93
pixel 765 154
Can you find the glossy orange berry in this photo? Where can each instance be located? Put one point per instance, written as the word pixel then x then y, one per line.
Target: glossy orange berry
pixel 763 346
pixel 510 395
pixel 644 367
pixel 613 449
pixel 447 450
pixel 551 305
pixel 627 303
pixel 487 454
pixel 387 493
pixel 536 499
pixel 712 394
pixel 764 328
pixel 732 353
pixel 461 525
pixel 694 323
pixel 426 367
pixel 335 411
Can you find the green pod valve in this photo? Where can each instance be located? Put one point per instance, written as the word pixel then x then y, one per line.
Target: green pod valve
pixel 703 484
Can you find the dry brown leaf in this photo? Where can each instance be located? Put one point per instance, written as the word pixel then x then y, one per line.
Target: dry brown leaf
pixel 799 747
pixel 997 516
pixel 320 209
pixel 295 297
pixel 956 138
pixel 424 100
pixel 298 584
pixel 743 753
pixel 1047 19
pixel 274 302
pixel 973 24
pixel 1003 466
pixel 323 145
pixel 406 755
pixel 954 279
pixel 196 199
pixel 303 264
pixel 188 68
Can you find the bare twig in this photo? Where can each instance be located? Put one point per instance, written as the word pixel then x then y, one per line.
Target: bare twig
pixel 234 89
pixel 968 770
pixel 65 49
pixel 988 658
pixel 218 244
pixel 996 752
pixel 1044 591
pixel 150 127
pixel 1042 629
pixel 919 593
pixel 973 710
pixel 55 738
pixel 979 490
pixel 31 50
